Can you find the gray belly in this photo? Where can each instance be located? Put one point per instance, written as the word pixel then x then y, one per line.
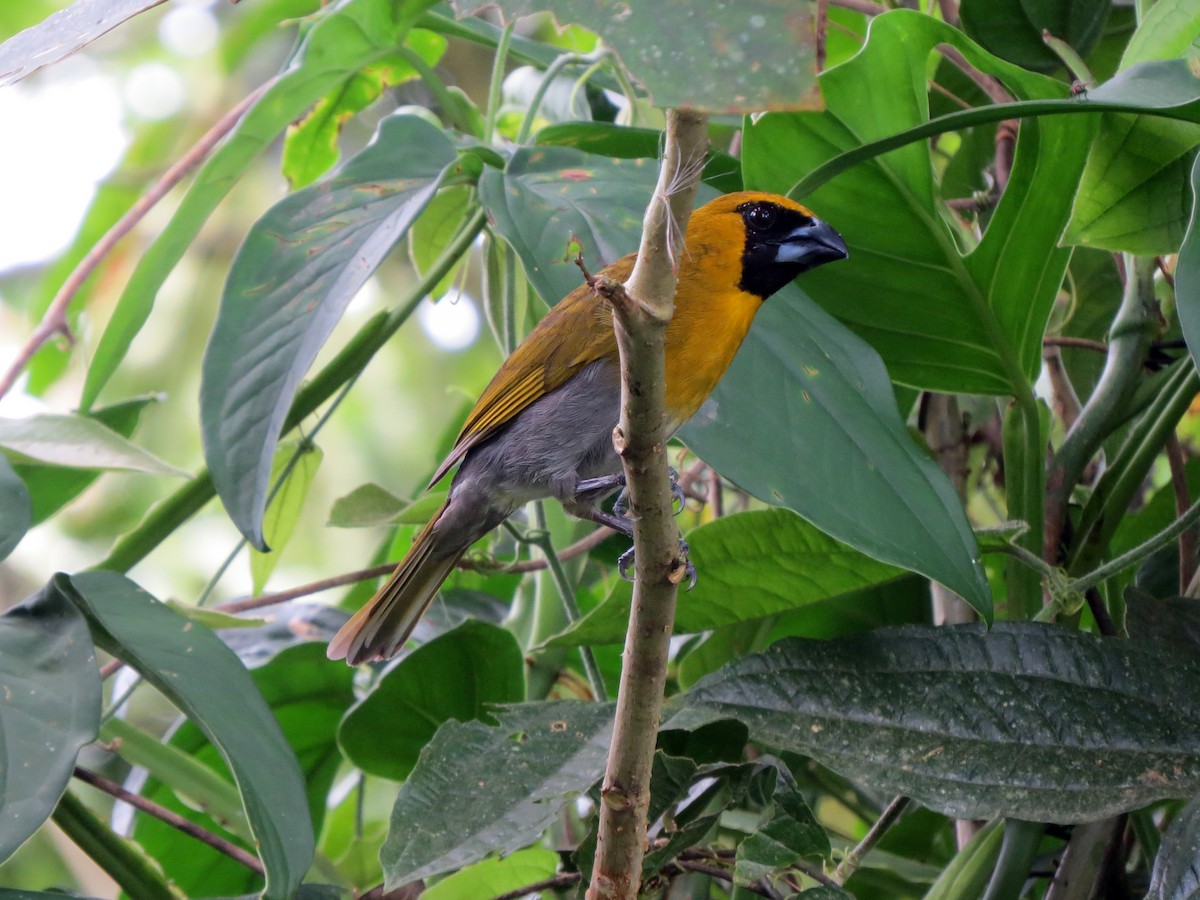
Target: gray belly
pixel 562 437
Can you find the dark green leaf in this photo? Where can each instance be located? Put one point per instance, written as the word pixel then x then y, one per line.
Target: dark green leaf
pixel 1133 196
pixel 16 510
pixel 974 723
pixel 827 441
pixel 297 270
pixel 77 442
pixel 53 487
pixel 789 833
pixel 942 317
pixel 62 33
pixel 50 709
pixel 191 666
pixel 458 675
pixel 479 790
pixel 1176 874
pixel 346 38
pixel 737 57
pixel 1012 29
pixel 751 565
pixel 1170 620
pixel 551 197
pixel 307 695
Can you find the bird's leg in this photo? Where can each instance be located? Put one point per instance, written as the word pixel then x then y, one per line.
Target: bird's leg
pixel 625 560
pixel 605 483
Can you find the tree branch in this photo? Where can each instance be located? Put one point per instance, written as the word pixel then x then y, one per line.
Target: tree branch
pixel 641 311
pixel 176 821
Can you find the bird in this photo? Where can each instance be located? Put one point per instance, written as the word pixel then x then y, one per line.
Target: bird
pixel 543 426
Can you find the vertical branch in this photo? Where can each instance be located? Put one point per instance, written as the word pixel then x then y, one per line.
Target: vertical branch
pixel 641 312
pixel 946 435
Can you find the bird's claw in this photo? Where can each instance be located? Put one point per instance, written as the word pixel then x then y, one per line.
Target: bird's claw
pixel 620 506
pixel 626 559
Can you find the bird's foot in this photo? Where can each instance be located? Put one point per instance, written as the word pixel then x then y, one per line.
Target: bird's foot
pixel 620 506
pixel 681 567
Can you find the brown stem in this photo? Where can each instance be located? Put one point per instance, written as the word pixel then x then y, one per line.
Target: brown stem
pixel 1077 342
pixel 1183 500
pixel 866 7
pixel 946 435
pixel 557 882
pixel 641 312
pixel 234 852
pixel 822 27
pixel 580 547
pixel 55 319
pixel 1064 400
pixel 986 83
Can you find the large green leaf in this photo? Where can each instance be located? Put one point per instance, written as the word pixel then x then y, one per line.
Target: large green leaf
pixel 494 877
pixel 1013 29
pixel 479 790
pixel 456 676
pixel 1176 874
pixel 737 57
pixel 346 38
pixel 16 510
pixel 1187 274
pixel 295 274
pixel 1134 196
pixel 50 710
pixel 1168 29
pixel 975 723
pixel 751 565
pixel 77 442
pixel 307 695
pixel 548 198
pixel 203 677
pixel 827 441
pixel 942 317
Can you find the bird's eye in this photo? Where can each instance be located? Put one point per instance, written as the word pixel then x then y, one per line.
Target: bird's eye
pixel 760 218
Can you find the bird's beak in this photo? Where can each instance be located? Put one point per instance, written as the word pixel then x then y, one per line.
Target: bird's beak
pixel 812 245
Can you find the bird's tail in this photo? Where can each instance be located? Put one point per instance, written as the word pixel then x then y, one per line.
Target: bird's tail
pixel 380 628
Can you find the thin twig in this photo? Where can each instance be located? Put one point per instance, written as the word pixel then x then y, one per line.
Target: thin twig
pixel 866 7
pixel 703 868
pixel 986 83
pixel 580 547
pixel 234 852
pixel 1062 393
pixel 1078 342
pixel 55 319
pixel 1179 484
pixel 566 879
pixel 855 855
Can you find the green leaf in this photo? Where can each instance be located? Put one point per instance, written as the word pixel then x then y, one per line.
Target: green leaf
pixel 828 442
pixel 790 833
pixel 1187 274
pixel 62 33
pixel 1176 874
pixel 974 723
pixel 77 442
pixel 1133 197
pixel 1012 29
pixel 366 505
pixel 295 274
pixel 968 874
pixel 549 198
pixel 283 511
pixel 456 676
pixel 494 877
pixel 737 57
pixel 751 565
pixel 51 709
pixel 310 148
pixel 53 487
pixel 346 38
pixel 1168 29
pixel 432 233
pixel 478 790
pixel 942 317
pixel 16 510
pixel 198 673
pixel 308 695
